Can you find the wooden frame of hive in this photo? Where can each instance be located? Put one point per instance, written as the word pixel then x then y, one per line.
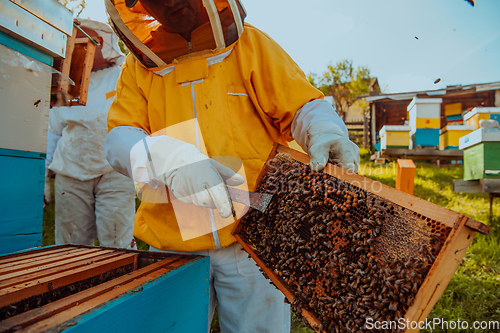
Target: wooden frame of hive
pixel 66 279
pixel 450 255
pixel 77 65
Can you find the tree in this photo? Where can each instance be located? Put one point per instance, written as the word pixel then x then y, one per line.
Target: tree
pixel 343 83
pixel 74 5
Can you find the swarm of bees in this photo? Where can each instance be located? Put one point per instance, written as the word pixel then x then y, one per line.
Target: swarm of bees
pixel 346 254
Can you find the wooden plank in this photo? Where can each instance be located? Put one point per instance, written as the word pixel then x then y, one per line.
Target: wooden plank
pixel 87 68
pixel 12 258
pixel 278 282
pixel 415 204
pixel 441 272
pixel 467 186
pixel 77 309
pixel 490 185
pixel 478 226
pixel 421 153
pixel 56 267
pixel 17 293
pixel 39 261
pixel 63 85
pixel 28 254
pixel 30 317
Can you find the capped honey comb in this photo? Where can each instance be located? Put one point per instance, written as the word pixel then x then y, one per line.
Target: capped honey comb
pixel 339 252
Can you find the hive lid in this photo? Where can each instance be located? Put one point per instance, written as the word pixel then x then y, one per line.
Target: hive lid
pixel 417 100
pixel 478 136
pixel 394 128
pixel 456 128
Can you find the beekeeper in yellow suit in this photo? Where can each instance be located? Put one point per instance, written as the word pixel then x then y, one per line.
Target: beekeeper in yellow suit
pixel 92 200
pixel 200 101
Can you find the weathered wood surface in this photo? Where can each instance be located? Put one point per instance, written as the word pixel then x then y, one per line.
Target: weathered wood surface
pixel 30 317
pixel 424 154
pixel 13 294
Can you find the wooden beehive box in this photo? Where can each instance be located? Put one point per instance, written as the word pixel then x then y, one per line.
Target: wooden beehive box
pixel 96 289
pixel 343 248
pixel 77 66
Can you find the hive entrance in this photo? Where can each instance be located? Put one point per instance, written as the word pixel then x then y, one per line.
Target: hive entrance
pixel 346 254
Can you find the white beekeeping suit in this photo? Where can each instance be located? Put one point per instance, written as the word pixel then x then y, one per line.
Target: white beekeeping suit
pixel 92 200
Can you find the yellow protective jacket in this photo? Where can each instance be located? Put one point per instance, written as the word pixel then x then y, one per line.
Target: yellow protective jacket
pixel 243 99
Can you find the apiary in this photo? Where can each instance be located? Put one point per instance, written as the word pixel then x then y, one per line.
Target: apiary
pixel 96 289
pixel 344 249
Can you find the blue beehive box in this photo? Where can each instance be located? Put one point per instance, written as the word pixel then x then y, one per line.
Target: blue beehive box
pixel 425 138
pixel 32 33
pixel 21 194
pixel 94 289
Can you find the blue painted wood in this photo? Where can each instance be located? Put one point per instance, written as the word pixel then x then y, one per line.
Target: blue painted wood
pixel 10 244
pixel 454 117
pixel 26 49
pixel 426 137
pixel 495 117
pixel 21 153
pixel 174 302
pixel 21 194
pixel 21 227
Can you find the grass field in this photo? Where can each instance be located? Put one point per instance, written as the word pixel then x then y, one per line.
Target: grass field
pixel 474 292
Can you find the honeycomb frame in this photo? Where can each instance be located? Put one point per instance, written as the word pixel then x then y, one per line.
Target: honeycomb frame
pixel 332 197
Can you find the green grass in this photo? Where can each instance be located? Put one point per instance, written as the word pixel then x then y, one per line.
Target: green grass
pixel 474 291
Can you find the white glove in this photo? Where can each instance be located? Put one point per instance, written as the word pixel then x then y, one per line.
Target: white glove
pixel 47 197
pixel 327 141
pixel 191 176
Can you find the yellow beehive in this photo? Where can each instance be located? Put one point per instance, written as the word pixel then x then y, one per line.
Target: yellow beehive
pixel 453 109
pixel 428 122
pixel 473 117
pixel 394 136
pixel 450 135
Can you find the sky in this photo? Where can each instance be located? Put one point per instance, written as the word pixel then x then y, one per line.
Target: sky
pixel 406 44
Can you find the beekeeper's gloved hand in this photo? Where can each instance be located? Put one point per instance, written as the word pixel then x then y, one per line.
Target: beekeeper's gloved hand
pixel 47 197
pixel 327 141
pixel 191 176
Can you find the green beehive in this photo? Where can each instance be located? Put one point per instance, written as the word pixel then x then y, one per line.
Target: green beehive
pixel 481 154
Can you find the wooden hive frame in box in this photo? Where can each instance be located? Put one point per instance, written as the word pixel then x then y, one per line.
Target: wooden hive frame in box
pixel 54 288
pixel 77 65
pixel 431 239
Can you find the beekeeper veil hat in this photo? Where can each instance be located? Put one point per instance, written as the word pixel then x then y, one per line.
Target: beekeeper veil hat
pixel 142 35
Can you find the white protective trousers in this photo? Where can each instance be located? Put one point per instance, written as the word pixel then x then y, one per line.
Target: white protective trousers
pixel 102 207
pixel 247 302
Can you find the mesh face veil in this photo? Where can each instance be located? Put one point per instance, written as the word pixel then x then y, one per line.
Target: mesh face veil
pixel 154 45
